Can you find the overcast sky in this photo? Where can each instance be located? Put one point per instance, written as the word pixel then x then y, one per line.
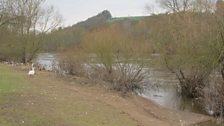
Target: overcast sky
pixel 74 11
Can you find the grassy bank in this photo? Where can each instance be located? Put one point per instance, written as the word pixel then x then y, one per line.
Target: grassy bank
pixel 42 101
pixel 9 81
pixel 47 100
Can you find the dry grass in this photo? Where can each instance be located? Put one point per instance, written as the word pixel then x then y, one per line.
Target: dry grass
pixel 45 100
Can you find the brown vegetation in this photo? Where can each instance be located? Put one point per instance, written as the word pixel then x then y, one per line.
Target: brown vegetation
pixel 22 25
pixel 111 55
pixel 192 47
pixel 48 100
pixel 188 41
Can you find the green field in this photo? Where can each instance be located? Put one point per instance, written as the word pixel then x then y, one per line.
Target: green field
pixel 9 81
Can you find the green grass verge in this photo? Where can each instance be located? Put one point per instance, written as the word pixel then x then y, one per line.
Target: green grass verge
pixel 28 101
pixel 10 81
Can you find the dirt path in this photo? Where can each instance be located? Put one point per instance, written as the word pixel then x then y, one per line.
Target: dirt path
pixel 142 110
pixel 54 101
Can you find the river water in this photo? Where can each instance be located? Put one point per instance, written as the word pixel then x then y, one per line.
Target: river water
pixel 160 86
pixel 46 60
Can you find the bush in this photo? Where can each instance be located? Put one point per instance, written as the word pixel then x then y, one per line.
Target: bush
pixel 118 60
pixel 214 95
pixel 71 63
pixel 102 56
pixel 71 66
pixel 124 77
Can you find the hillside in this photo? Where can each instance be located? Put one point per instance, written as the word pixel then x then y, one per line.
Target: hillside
pixel 73 35
pixel 106 17
pixel 95 21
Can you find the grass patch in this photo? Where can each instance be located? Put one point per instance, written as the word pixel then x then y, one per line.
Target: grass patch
pixel 10 81
pixel 44 101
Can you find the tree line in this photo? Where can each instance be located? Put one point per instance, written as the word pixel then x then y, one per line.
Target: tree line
pixel 23 24
pixel 191 46
pixel 188 40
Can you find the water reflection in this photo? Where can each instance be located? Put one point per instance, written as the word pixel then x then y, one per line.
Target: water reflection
pixel 161 87
pixel 163 95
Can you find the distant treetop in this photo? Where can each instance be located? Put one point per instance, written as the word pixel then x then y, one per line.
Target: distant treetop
pixel 220 6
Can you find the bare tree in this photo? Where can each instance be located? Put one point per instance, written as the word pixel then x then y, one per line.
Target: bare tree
pixel 174 6
pixel 29 19
pixel 5 16
pixel 204 5
pixel 49 19
pixel 193 49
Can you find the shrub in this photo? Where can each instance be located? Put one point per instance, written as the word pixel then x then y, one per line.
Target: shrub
pixel 109 55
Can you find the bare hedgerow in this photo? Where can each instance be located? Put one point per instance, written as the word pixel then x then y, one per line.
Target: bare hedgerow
pixel 108 55
pixel 123 77
pixel 71 66
pixel 214 95
pixel 117 58
pixel 70 63
pixel 129 77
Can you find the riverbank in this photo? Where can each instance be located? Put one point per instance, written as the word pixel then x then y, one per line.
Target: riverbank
pixel 46 99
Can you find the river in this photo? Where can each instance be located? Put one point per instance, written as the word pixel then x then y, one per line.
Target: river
pixel 46 60
pixel 160 87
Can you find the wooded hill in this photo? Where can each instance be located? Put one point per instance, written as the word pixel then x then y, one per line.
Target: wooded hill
pixel 65 37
